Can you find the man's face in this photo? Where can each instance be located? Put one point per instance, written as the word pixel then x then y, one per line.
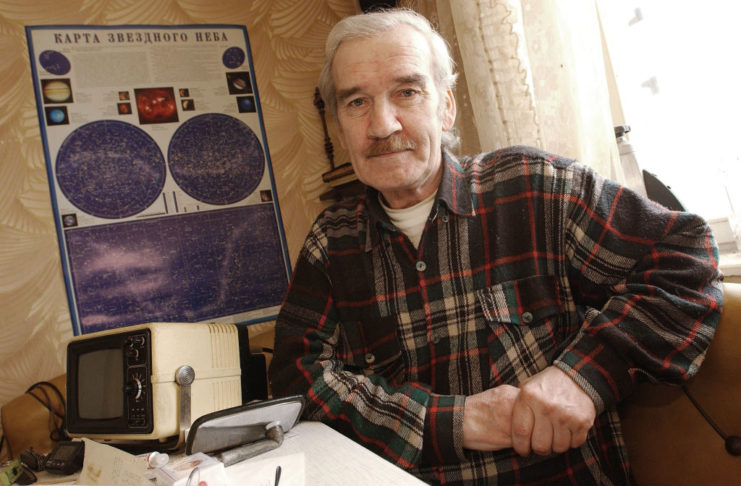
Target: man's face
pixel 388 110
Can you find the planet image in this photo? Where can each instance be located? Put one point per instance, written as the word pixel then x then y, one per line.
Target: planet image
pixel 240 84
pixel 246 104
pixel 56 115
pixel 57 91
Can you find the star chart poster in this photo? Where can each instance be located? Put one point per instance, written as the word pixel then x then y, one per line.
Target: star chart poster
pixel 160 174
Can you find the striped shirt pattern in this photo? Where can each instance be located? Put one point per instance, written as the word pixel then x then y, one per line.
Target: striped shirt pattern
pixel 527 260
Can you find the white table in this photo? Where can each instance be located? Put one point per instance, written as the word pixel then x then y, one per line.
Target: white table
pixel 312 454
pixel 330 458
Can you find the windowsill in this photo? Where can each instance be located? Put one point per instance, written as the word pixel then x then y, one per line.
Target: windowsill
pixel 730 265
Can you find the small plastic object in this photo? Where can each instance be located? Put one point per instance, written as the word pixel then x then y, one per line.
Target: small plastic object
pixel 157 460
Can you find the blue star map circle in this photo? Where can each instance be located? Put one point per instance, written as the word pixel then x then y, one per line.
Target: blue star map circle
pixel 216 158
pixel 233 57
pixel 55 62
pixel 110 169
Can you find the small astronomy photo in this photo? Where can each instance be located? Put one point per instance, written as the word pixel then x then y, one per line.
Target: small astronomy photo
pixel 156 105
pixel 56 90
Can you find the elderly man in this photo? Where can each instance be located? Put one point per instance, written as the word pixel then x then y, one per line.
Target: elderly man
pixel 476 320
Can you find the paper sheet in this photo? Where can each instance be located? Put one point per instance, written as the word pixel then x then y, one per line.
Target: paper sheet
pixel 107 466
pixel 261 472
pixel 195 470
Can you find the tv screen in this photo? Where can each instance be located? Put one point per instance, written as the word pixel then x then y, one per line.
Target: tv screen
pixel 100 393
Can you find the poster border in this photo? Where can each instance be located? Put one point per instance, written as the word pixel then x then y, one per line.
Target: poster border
pixel 64 256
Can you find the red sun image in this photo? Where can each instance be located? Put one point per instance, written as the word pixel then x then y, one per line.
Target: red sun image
pixel 156 105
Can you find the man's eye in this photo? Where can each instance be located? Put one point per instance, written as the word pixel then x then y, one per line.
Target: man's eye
pixel 406 93
pixel 356 102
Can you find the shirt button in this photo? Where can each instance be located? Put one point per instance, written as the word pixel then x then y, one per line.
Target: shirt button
pixel 444 218
pixel 527 317
pixel 435 338
pixel 370 358
pixel 421 266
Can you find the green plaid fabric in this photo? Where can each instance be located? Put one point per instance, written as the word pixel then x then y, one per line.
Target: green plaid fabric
pixel 527 260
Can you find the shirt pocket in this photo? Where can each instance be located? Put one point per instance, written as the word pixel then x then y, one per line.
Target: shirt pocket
pixel 370 346
pixel 524 320
pixel 521 302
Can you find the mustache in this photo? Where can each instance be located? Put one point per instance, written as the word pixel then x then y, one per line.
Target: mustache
pixel 389 145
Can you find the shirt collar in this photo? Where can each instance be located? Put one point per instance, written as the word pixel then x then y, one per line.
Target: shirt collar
pixel 454 192
pixel 455 189
pixel 377 220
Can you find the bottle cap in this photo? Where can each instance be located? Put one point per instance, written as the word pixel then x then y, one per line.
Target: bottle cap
pixel 157 460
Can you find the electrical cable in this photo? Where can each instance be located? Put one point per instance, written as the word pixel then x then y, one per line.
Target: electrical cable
pixel 57 433
pixel 732 442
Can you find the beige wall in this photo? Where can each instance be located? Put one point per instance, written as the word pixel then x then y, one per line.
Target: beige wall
pixel 287 40
pixel 286 37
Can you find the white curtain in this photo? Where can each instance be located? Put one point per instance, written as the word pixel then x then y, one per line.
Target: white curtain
pixel 533 72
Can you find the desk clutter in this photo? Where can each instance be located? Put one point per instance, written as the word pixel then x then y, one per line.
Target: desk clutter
pixel 106 465
pixel 175 393
pixel 311 454
pixel 195 439
pixel 215 441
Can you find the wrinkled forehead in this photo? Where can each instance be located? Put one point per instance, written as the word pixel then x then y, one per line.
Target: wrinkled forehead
pixel 402 50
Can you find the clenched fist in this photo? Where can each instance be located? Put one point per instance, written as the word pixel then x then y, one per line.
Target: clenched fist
pixel 550 414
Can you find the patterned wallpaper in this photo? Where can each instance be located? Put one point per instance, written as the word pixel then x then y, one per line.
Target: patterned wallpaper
pixel 286 38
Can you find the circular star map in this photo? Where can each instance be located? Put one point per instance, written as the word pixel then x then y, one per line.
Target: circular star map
pixel 110 169
pixel 233 57
pixel 55 62
pixel 216 158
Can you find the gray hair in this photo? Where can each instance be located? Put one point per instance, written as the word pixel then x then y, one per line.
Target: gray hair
pixel 370 25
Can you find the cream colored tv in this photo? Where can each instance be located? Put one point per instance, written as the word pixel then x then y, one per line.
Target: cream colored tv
pixel 122 384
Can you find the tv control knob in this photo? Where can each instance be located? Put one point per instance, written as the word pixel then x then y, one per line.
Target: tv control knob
pixel 135 388
pixel 132 353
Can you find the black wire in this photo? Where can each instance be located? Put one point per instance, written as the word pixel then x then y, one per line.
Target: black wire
pixel 704 414
pixel 40 385
pixel 47 404
pixel 57 433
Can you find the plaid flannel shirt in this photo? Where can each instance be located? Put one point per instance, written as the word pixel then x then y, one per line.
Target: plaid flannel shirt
pixel 527 260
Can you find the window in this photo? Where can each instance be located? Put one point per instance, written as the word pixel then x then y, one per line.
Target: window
pixel 679 82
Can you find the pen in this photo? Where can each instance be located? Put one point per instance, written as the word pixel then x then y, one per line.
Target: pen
pixel 277 476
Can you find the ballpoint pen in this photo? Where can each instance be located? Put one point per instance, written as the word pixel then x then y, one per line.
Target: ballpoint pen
pixel 277 476
pixel 194 478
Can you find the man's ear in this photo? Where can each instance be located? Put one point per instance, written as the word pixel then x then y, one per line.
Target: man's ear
pixel 449 111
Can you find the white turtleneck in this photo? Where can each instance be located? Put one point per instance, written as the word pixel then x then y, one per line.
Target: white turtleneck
pixel 411 220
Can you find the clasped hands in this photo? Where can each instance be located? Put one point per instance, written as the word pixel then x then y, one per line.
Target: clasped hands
pixel 547 413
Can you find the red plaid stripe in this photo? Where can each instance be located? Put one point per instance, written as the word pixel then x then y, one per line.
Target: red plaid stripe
pixel 527 260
